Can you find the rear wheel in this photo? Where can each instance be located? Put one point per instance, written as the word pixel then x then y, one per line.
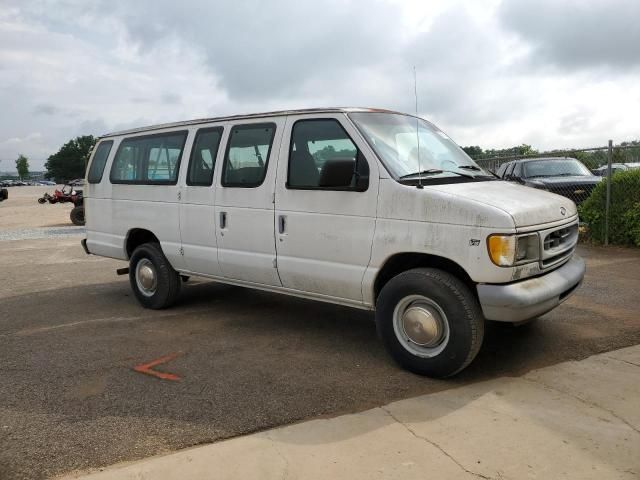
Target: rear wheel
pixel 77 216
pixel 153 280
pixel 430 322
pixel 42 200
pixel 4 194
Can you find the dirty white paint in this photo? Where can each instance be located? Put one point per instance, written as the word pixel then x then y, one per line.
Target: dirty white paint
pixel 334 243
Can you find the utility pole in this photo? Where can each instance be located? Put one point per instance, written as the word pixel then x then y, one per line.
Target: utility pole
pixel 608 201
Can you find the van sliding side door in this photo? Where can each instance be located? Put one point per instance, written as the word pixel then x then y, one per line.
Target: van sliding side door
pixel 197 211
pixel 244 208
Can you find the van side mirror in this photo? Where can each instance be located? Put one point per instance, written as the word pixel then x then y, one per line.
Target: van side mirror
pixel 337 173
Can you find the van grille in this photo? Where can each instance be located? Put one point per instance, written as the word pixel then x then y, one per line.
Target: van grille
pixel 558 238
pixel 558 244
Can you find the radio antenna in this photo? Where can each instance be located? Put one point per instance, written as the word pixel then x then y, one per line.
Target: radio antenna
pixel 415 93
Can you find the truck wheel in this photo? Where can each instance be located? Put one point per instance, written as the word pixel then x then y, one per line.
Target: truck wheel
pixel 77 216
pixel 4 194
pixel 430 322
pixel 153 280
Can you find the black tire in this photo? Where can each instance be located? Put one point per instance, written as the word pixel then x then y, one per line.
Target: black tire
pixel 4 194
pixel 77 216
pixel 168 281
pixel 42 201
pixel 462 318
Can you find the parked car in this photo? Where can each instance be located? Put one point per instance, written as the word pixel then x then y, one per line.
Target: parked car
pixel 565 176
pixel 339 205
pixel 615 167
pixel 78 182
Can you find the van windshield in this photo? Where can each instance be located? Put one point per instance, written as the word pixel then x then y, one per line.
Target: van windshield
pixel 430 153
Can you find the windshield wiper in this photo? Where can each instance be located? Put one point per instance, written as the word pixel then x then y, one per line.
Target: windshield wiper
pixel 435 171
pixel 475 168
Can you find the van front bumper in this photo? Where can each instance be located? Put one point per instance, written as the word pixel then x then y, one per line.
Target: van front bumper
pixel 520 301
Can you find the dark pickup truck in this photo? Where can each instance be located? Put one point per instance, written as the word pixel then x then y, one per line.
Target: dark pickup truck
pixel 565 176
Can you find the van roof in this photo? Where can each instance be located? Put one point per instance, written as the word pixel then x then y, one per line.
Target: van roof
pixel 247 116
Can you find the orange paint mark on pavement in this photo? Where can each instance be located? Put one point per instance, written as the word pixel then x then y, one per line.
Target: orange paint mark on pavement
pixel 146 368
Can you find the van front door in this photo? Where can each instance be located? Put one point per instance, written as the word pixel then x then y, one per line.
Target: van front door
pixel 326 196
pixel 244 202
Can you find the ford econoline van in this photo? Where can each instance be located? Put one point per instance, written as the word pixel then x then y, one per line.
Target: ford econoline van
pixel 367 208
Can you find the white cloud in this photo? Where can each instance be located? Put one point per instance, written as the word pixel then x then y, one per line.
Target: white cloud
pixel 490 73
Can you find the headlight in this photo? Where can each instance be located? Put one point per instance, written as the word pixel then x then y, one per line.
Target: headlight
pixel 509 250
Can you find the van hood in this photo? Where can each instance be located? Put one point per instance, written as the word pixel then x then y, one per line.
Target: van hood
pixel 526 205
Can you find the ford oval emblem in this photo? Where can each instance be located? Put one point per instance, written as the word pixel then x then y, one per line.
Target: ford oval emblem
pixel 563 211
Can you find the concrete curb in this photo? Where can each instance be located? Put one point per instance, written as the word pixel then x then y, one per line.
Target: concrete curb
pixel 572 420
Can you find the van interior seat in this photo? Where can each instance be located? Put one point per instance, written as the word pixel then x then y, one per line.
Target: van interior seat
pixel 302 169
pixel 336 169
pixel 248 175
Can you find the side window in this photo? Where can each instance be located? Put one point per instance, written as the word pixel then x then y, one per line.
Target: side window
pixel 247 155
pixel 99 161
pixel 149 160
pixel 203 156
pixel 323 156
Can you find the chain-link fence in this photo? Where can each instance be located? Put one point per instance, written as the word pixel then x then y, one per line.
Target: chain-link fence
pixel 604 182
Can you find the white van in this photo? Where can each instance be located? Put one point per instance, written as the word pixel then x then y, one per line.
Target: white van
pixel 368 208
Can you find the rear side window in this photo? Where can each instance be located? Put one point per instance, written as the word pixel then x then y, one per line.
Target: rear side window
pixel 203 156
pixel 99 161
pixel 149 160
pixel 247 155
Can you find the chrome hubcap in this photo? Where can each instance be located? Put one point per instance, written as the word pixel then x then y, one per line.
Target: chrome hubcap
pixel 146 277
pixel 421 326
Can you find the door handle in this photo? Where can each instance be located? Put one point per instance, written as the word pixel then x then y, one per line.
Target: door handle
pixel 223 219
pixel 282 223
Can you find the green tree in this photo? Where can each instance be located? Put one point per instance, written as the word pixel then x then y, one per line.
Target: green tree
pixel 518 150
pixel 71 160
pixel 22 165
pixel 473 151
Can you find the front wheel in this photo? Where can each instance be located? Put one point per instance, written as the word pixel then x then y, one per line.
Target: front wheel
pixel 430 322
pixel 153 280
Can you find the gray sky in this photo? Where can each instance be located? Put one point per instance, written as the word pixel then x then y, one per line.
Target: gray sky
pixel 493 73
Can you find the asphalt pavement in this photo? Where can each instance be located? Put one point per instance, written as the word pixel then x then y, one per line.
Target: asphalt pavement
pixel 72 334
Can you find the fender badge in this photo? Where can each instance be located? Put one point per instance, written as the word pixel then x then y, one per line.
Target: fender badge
pixel 474 243
pixel 563 211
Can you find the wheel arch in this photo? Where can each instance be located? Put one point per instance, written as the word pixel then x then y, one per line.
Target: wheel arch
pixel 136 237
pixel 401 262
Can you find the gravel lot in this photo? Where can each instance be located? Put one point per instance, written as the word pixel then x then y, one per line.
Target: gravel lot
pixel 71 334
